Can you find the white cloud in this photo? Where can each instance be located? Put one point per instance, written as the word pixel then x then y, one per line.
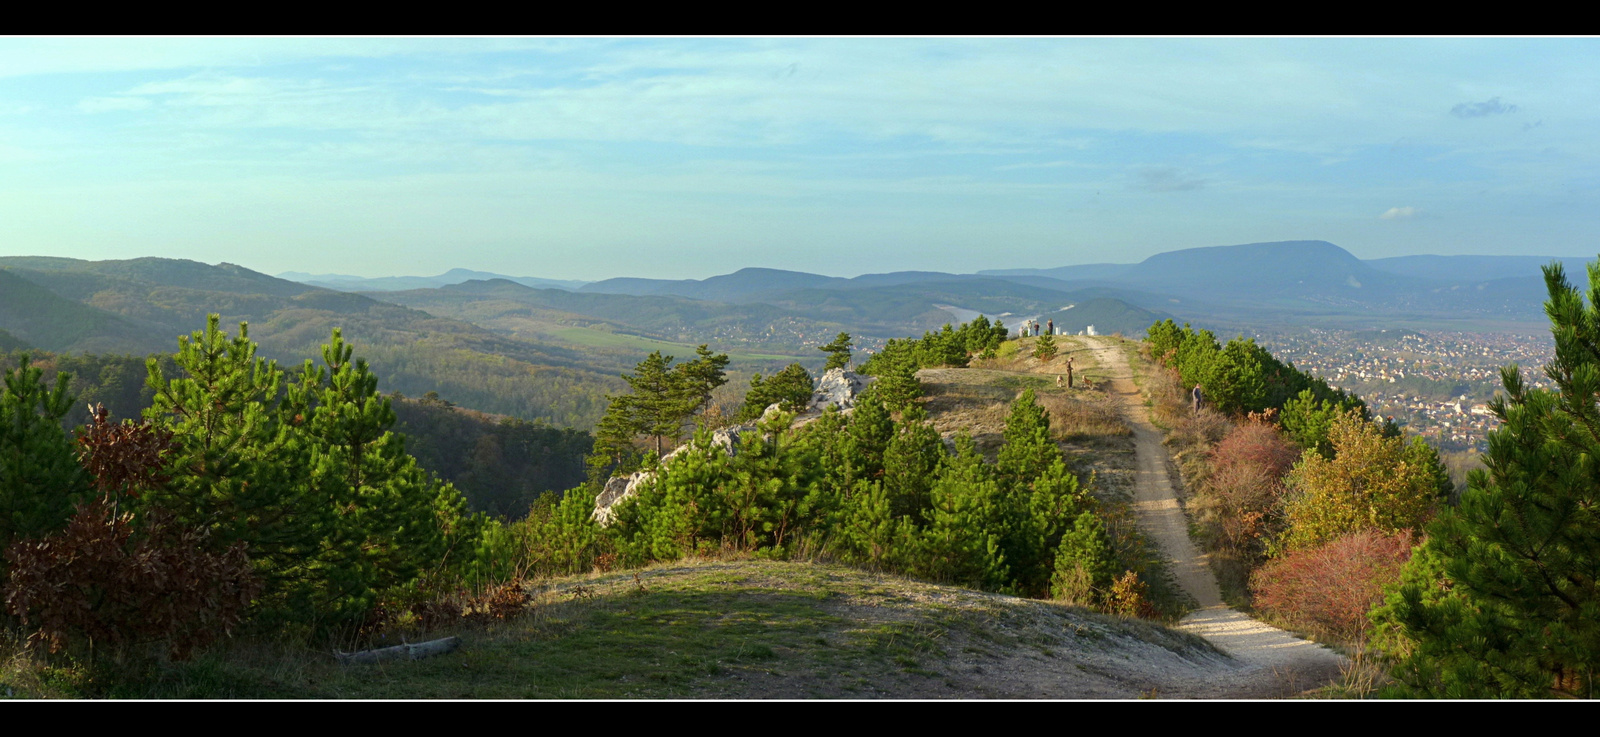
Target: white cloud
pixel 1400 213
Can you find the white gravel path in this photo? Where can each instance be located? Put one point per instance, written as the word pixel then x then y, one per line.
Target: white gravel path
pixel 1276 663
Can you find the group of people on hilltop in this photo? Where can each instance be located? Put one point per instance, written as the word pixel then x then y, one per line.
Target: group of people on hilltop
pixel 1033 326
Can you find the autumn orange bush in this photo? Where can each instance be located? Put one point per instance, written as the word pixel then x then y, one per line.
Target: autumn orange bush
pixel 1327 590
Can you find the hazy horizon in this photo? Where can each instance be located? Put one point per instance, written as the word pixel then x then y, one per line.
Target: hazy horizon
pixel 586 159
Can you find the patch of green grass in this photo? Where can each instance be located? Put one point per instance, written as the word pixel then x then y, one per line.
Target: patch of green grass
pixel 747 629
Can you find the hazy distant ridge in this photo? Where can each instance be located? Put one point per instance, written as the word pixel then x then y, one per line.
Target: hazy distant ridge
pixel 348 283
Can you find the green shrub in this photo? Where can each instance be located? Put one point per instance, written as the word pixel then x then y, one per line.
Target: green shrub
pixel 40 479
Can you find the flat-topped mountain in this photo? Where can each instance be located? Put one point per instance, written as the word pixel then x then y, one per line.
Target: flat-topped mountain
pixel 740 286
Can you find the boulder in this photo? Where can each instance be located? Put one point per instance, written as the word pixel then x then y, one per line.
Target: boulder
pixel 617 489
pixel 837 388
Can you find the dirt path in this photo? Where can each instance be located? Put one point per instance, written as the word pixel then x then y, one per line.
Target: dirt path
pixel 1277 663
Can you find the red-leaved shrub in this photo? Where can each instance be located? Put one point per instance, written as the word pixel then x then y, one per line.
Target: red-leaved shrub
pixel 1259 444
pixel 1238 504
pixel 122 458
pixel 1328 590
pixel 104 581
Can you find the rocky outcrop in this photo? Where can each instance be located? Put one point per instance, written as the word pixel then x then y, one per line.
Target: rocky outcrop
pixel 837 388
pixel 621 487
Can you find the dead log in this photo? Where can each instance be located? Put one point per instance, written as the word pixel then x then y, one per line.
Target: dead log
pixel 407 651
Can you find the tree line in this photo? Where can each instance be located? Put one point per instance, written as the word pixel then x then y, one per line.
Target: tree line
pixel 1486 591
pixel 500 463
pixel 239 482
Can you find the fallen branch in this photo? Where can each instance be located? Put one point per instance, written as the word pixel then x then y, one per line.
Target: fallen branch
pixel 400 652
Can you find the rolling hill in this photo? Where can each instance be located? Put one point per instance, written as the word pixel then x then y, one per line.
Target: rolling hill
pixel 142 305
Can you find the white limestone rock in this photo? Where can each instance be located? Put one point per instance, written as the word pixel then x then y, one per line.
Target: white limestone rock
pixel 838 388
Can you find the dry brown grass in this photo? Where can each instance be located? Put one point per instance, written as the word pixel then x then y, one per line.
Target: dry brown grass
pixel 1080 415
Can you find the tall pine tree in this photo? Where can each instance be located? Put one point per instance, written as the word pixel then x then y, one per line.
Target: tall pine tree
pixel 1503 599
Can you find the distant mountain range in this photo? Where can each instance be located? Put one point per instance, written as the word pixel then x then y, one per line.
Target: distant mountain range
pixel 549 349
pixel 347 283
pixel 1299 278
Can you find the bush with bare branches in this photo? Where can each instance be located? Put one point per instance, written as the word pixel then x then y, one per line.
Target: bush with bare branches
pixel 1238 505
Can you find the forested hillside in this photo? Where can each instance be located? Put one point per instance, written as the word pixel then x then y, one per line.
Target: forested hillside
pixel 501 464
pixel 140 306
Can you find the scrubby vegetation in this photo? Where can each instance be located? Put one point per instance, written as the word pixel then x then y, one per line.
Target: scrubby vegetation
pixel 239 499
pixel 500 463
pixel 869 490
pixel 1306 504
pixel 1498 599
pixel 283 506
pixel 896 365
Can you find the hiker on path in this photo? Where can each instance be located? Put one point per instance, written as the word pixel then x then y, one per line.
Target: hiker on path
pixel 1198 399
pixel 1050 327
pixel 1069 372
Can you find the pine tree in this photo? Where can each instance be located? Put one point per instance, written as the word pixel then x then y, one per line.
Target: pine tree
pixel 697 379
pixel 389 520
pixel 614 451
pixel 333 511
pixel 790 389
pixel 662 404
pixel 1045 348
pixel 1028 448
pixel 657 403
pixel 838 352
pixel 40 479
pixel 870 431
pixel 1502 600
pixel 897 384
pixel 911 461
pixel 1084 562
pixel 968 523
pixel 234 469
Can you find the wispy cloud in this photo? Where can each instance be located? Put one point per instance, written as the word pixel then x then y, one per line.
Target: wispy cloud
pixel 1166 179
pixel 1400 213
pixel 1491 106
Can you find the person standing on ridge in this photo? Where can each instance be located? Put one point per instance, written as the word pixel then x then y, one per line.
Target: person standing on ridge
pixel 1198 398
pixel 1050 327
pixel 1069 372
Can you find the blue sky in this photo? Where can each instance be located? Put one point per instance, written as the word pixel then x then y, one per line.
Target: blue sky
pixel 674 158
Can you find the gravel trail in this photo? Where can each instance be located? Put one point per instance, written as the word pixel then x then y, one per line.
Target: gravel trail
pixel 1276 662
